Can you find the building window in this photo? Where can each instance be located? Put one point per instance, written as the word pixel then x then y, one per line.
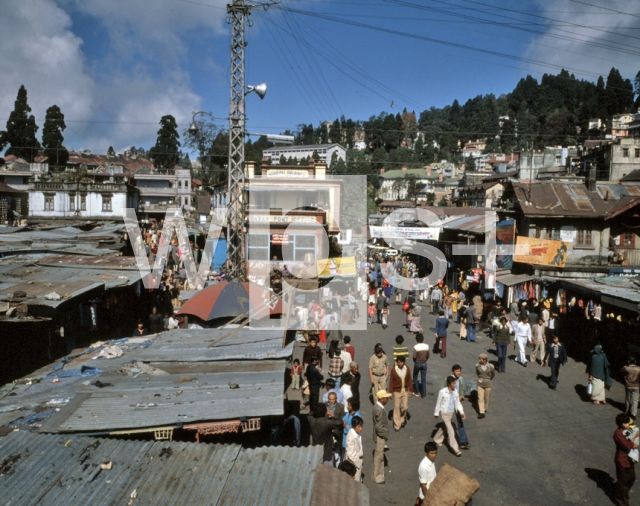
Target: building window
pixel 627 239
pixel 179 184
pixel 83 202
pixel 302 244
pixel 258 246
pixel 583 237
pixel 72 202
pixel 625 152
pixel 48 202
pixel 637 153
pixel 555 234
pixel 106 203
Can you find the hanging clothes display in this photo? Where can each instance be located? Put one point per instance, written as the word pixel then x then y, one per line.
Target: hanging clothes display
pixel 563 302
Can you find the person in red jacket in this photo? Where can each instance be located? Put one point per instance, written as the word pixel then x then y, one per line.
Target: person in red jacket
pixel 401 387
pixel 625 470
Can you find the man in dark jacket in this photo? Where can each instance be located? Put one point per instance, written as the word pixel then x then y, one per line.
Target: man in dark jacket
pixel 312 351
pixel 472 320
pixel 314 377
pixel 502 340
pixel 381 302
pixel 156 324
pixel 322 428
pixel 556 356
pixel 442 324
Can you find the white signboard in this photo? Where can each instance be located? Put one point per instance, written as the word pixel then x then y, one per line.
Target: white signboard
pixel 567 234
pixel 415 233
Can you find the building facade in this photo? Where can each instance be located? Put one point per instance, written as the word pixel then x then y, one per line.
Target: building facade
pixel 325 153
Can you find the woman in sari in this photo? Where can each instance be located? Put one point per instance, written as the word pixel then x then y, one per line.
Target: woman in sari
pixel 415 321
pixel 599 375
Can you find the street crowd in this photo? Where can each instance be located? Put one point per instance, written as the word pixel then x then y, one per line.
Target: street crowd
pixel 530 327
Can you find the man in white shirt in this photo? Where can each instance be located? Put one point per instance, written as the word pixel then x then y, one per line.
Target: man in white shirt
pixel 523 336
pixel 427 469
pixel 446 406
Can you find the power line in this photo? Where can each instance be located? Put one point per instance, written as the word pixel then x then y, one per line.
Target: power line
pixel 437 41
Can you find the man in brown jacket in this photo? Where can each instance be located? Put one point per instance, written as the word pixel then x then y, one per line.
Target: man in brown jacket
pixel 401 387
pixel 485 373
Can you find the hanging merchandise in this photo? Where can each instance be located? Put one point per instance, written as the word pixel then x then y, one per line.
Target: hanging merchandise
pixel 597 313
pixel 563 303
pixel 559 298
pixel 500 289
pixel 586 312
pixel 545 292
pixel 580 303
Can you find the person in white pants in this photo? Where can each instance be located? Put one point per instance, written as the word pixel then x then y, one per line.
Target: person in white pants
pixel 523 336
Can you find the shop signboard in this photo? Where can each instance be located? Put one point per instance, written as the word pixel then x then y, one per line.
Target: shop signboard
pixel 275 218
pixel 341 266
pixel 415 233
pixel 505 239
pixel 548 252
pixel 567 234
pixel 287 173
pixel 280 239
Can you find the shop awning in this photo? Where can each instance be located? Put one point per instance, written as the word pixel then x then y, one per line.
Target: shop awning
pixel 513 279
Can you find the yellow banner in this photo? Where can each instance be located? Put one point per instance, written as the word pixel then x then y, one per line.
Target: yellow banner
pixel 541 251
pixel 329 267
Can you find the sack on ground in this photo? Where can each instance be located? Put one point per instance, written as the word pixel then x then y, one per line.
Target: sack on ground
pixel 450 484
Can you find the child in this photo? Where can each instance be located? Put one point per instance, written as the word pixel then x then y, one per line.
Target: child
pixel 371 311
pixel 400 350
pixel 296 371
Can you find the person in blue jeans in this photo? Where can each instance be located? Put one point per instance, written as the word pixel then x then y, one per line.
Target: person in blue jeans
pixel 420 357
pixel 502 340
pixel 472 320
pixel 456 372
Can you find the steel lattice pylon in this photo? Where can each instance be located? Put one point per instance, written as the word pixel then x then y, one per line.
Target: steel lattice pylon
pixel 236 263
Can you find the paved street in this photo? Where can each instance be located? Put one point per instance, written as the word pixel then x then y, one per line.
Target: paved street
pixel 536 446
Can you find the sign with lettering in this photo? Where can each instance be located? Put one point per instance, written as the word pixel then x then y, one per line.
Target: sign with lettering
pixel 424 233
pixel 280 239
pixel 264 218
pixel 287 173
pixel 341 266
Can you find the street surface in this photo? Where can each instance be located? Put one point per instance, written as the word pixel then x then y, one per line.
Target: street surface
pixel 536 446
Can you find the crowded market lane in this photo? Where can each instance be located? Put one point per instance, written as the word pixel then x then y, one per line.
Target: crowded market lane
pixel 535 446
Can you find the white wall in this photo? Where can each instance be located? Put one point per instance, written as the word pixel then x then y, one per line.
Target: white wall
pixel 61 205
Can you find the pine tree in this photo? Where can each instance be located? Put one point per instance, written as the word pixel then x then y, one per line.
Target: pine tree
pixel 21 129
pixel 165 153
pixel 52 138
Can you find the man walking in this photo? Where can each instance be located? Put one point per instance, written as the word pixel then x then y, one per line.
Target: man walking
pixel 446 405
pixel 420 357
pixel 442 324
pixel 436 297
pixel 314 377
pixel 502 341
pixel 427 470
pixel 485 373
pixel 378 370
pixel 631 373
pixel 625 467
pixel 380 435
pixel 539 339
pixel 400 386
pixel 523 336
pixel 456 372
pixel 472 320
pixel 381 302
pixel 556 356
pixel 336 367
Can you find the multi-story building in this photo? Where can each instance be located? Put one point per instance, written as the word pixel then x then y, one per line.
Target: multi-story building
pixel 159 191
pixel 325 153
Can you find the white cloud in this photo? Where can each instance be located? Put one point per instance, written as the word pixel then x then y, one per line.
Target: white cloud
pixel 603 38
pixel 115 99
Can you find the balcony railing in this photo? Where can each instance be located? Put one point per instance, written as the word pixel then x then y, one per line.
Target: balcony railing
pixel 77 187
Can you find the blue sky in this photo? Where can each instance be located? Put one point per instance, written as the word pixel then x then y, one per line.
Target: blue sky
pixel 115 66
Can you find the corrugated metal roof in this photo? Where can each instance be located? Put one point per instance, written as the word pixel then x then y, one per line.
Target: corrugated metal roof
pixel 152 401
pixel 277 476
pixel 193 346
pixel 513 279
pixel 473 224
pixel 63 470
pixel 252 359
pixel 333 487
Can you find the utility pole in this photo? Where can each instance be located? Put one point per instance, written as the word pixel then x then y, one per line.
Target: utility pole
pixel 236 262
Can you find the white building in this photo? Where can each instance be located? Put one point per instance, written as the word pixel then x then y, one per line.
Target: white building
pixel 325 152
pixel 87 200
